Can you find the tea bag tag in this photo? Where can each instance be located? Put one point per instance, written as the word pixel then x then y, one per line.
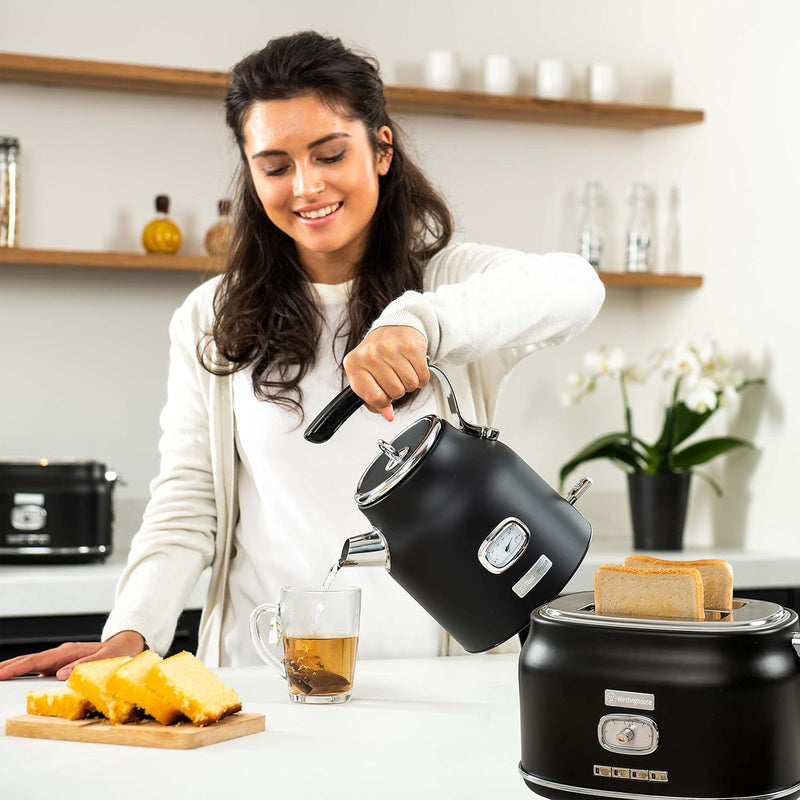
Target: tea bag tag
pixel 274 636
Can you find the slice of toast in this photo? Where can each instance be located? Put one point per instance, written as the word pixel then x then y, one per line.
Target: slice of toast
pixel 64 703
pixel 126 684
pixel 89 680
pixel 633 591
pixel 191 687
pixel 716 573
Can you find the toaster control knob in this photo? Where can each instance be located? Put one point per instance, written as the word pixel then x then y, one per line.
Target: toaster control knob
pixel 625 735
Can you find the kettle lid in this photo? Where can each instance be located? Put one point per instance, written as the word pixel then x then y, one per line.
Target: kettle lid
pixel 397 459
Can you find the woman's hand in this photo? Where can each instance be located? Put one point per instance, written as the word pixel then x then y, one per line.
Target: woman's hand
pixel 388 363
pixel 60 660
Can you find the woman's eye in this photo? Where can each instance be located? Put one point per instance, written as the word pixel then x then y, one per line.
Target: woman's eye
pixel 332 159
pixel 274 172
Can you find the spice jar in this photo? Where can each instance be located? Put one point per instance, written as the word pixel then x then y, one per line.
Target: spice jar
pixel 9 191
pixel 161 235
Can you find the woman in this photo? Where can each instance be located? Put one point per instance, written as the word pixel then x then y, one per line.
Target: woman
pixel 341 270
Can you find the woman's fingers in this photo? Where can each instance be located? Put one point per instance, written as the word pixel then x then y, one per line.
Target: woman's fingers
pixel 387 364
pixel 47 662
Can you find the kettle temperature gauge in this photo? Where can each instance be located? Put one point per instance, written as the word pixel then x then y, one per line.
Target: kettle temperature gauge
pixel 504 545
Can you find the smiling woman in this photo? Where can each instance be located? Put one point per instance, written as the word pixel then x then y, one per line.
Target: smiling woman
pixel 316 175
pixel 340 270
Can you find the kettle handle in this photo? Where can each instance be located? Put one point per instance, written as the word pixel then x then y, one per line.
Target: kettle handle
pixel 347 402
pixel 330 419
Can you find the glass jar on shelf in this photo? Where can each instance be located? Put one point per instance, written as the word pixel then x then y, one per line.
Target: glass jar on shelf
pixel 592 232
pixel 218 236
pixel 640 244
pixel 9 191
pixel 161 235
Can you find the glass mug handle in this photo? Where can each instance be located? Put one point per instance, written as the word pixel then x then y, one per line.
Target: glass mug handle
pixel 264 650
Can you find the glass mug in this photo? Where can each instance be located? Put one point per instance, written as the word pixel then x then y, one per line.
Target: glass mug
pixel 319 632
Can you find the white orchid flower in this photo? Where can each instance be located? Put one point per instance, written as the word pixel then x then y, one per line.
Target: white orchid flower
pixel 602 362
pixel 681 360
pixel 701 395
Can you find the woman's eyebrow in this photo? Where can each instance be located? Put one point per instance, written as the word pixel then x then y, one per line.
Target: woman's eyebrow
pixel 311 145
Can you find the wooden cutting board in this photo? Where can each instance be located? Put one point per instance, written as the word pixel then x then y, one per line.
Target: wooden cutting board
pixel 182 736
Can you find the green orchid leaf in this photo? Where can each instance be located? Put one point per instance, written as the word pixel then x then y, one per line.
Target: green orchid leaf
pixel 613 446
pixel 684 422
pixel 704 451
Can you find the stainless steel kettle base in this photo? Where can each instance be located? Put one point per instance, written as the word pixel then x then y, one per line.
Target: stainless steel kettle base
pixel 563 791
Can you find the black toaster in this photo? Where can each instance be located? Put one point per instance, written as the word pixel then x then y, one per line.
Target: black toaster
pixel 645 707
pixel 55 511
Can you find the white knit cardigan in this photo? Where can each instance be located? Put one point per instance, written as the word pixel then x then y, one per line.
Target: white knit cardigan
pixel 483 309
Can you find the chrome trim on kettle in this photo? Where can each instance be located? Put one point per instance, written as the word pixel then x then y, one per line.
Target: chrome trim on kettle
pixel 452 403
pixel 486 548
pixel 408 463
pixel 617 795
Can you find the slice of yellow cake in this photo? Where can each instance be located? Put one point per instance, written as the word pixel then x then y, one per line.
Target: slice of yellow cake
pixel 126 683
pixel 191 687
pixel 64 703
pixel 89 680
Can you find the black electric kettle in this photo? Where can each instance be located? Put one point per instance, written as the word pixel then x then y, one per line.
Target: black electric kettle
pixel 462 523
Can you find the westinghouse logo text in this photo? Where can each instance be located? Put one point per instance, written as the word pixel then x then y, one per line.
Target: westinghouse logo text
pixel 621 699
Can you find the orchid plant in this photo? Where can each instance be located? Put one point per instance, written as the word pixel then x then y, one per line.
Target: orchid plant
pixel 701 380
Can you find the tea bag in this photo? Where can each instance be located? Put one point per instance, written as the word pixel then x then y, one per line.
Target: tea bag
pixel 308 674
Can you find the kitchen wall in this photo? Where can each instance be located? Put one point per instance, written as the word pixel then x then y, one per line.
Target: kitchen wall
pixel 85 350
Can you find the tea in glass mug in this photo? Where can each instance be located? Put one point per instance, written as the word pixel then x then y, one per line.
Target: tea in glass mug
pixel 318 629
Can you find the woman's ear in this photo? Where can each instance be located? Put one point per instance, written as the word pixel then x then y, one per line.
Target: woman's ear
pixel 384 139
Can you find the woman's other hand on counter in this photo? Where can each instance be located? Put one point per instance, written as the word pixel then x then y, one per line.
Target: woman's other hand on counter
pixel 59 661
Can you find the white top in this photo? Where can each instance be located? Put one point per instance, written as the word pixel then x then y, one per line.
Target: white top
pixel 297 507
pixel 483 310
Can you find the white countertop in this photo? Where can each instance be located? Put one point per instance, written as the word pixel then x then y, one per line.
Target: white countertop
pixel 425 728
pixel 27 591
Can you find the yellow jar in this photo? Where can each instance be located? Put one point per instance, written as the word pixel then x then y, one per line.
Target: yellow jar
pixel 161 235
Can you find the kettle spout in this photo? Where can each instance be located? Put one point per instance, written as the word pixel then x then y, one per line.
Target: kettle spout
pixel 365 550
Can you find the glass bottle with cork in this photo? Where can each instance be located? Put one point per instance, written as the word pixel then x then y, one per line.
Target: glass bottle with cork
pixel 218 236
pixel 161 235
pixel 9 191
pixel 592 235
pixel 640 245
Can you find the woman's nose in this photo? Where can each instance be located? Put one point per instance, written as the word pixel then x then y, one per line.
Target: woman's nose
pixel 307 182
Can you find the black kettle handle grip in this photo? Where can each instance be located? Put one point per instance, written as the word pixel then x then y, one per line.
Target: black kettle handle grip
pixel 330 419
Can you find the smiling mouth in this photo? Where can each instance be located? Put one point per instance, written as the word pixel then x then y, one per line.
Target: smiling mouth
pixel 318 213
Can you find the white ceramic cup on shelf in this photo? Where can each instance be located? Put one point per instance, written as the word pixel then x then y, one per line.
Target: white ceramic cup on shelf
pixel 500 75
pixel 442 70
pixel 552 79
pixel 603 83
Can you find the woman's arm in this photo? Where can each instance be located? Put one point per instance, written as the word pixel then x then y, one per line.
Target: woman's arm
pixel 480 299
pixel 176 539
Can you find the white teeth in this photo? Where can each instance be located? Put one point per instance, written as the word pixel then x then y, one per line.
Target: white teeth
pixel 320 212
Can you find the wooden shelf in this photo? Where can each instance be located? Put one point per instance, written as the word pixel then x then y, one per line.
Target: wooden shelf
pixel 114 76
pixel 76 258
pixel 101 260
pixel 651 280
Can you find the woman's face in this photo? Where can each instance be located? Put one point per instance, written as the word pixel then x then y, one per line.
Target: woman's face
pixel 316 175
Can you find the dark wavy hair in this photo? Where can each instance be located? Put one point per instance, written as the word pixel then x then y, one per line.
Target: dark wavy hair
pixel 265 314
